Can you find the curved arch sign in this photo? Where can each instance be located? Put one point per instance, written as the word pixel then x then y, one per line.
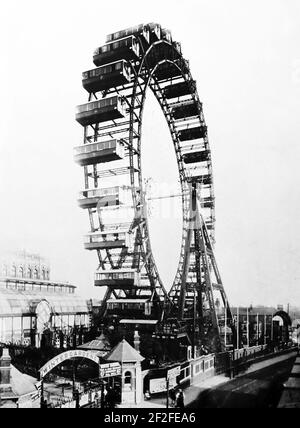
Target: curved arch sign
pixel 68 355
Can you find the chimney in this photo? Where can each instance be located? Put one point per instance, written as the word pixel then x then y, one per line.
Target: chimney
pixel 5 369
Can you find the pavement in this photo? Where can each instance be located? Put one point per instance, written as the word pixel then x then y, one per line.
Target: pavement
pixel 291 394
pixel 242 381
pixel 192 393
pixel 275 360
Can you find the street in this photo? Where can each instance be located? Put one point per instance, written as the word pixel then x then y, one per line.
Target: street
pixel 261 389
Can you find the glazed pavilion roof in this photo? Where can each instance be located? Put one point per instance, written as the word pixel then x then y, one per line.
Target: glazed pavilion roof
pixel 16 302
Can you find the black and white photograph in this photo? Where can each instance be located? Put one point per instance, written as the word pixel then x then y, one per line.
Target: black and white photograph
pixel 149 223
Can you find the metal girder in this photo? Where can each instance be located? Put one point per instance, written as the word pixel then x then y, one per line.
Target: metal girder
pixel 159 66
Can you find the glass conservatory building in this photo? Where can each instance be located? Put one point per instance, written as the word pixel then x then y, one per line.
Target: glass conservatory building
pixel 34 311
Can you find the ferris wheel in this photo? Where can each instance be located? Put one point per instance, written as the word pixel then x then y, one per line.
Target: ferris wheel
pixel 131 63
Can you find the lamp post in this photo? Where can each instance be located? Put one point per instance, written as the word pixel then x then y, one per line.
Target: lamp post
pixel 168 388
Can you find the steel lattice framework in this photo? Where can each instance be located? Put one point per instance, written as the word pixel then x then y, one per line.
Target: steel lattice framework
pixel 131 62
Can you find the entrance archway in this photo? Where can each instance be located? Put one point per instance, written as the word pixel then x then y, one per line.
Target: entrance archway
pixel 281 330
pixel 68 355
pixel 86 390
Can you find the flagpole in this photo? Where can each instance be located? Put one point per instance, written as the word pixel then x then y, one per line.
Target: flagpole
pixel 238 327
pixel 248 328
pixel 272 329
pixel 265 331
pixel 225 325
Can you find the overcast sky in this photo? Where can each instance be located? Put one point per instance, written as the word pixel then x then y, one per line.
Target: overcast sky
pixel 245 56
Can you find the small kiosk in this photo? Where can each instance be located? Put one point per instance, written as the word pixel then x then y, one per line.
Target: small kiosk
pixel 132 380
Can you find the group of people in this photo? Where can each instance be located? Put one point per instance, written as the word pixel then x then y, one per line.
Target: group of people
pixel 177 398
pixel 108 400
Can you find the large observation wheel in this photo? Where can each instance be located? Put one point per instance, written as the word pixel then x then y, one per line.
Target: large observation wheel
pixel 132 62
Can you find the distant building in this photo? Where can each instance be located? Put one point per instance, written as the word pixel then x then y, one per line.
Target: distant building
pixel 24 265
pixel 258 325
pixel 35 311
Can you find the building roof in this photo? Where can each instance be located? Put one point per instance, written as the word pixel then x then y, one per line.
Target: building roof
pixel 125 353
pixel 22 384
pixel 131 301
pixel 142 322
pixel 17 302
pixel 99 344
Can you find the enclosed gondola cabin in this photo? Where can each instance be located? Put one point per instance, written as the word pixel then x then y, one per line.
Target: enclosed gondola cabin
pixel 170 329
pixel 162 51
pixel 101 152
pixel 185 110
pixel 124 49
pixel 205 180
pixel 210 223
pixel 192 133
pixel 142 31
pixel 129 308
pixel 112 196
pixel 178 47
pixel 196 156
pixel 166 35
pixel 208 202
pixel 117 279
pixel 101 111
pixel 107 76
pixel 167 71
pixel 180 89
pixel 155 32
pixel 108 240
